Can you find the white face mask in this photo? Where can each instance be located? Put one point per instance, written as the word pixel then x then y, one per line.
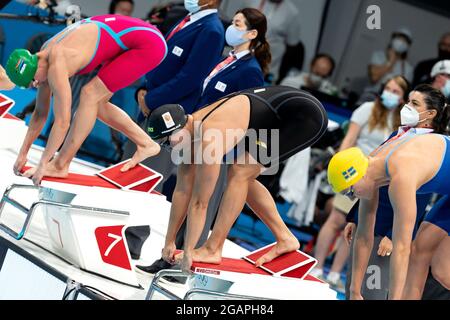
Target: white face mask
pixel 446 89
pixel 410 117
pixel 400 45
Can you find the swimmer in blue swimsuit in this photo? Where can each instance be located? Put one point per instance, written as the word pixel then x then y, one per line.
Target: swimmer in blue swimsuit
pixel 408 165
pixel 399 164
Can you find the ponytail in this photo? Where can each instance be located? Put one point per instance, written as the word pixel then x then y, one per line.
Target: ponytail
pixel 263 55
pixel 256 20
pixel 435 100
pixel 446 119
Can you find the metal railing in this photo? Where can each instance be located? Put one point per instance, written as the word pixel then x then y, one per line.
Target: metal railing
pixel 30 212
pixel 155 286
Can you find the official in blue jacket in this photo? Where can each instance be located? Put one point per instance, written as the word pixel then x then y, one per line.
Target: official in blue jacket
pixel 246 64
pixel 243 69
pixel 195 46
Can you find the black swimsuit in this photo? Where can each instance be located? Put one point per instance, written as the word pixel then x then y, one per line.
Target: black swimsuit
pixel 299 117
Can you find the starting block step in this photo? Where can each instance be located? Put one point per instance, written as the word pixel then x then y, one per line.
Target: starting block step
pixel 292 265
pixel 147 184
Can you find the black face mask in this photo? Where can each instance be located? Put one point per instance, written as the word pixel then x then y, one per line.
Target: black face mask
pixel 444 55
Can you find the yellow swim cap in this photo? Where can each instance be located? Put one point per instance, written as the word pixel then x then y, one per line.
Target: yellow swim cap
pixel 346 168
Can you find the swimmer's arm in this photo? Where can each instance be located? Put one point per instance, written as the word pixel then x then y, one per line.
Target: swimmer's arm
pixel 5 82
pixel 206 176
pixel 180 200
pixel 363 242
pixel 58 79
pixel 351 137
pixel 402 192
pixel 38 118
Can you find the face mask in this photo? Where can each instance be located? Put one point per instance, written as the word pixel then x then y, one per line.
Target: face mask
pixel 399 45
pixel 446 89
pixel 410 117
pixel 390 100
pixel 234 36
pixel 192 6
pixel 315 79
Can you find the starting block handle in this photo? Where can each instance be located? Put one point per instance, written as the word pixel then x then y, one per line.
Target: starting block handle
pixel 156 287
pixel 223 296
pixel 29 212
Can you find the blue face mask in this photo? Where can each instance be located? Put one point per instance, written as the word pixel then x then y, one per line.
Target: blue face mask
pixel 390 100
pixel 192 6
pixel 446 89
pixel 234 36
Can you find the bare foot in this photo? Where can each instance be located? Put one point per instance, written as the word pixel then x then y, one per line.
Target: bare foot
pixel 203 255
pixel 285 246
pixel 56 171
pixel 141 154
pixel 50 170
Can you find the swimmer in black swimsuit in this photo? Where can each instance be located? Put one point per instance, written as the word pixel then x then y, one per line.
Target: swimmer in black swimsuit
pixel 300 120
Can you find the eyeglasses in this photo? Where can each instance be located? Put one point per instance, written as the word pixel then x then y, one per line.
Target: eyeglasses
pixel 350 193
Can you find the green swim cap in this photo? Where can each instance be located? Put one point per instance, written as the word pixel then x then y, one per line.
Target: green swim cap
pixel 21 67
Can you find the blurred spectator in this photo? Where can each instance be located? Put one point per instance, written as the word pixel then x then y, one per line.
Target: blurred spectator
pixel 283 28
pixel 122 7
pixel 60 8
pixel 165 17
pixel 390 63
pixel 321 69
pixel 423 69
pixel 441 77
pixel 371 124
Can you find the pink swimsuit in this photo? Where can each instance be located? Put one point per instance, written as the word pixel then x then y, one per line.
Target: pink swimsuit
pixel 127 48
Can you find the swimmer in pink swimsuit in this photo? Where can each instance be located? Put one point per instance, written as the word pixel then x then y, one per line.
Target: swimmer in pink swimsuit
pixel 125 48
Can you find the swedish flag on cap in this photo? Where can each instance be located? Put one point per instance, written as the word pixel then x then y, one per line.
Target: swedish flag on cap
pixel 346 168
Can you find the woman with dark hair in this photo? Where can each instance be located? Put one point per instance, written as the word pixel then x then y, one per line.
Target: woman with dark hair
pixel 370 125
pixel 415 164
pixel 122 7
pixel 248 61
pixel 382 249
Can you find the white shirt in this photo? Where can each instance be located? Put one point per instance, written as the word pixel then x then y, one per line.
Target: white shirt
pixel 238 56
pixel 297 81
pixel 198 15
pixel 283 28
pixel 400 68
pixel 414 130
pixel 370 140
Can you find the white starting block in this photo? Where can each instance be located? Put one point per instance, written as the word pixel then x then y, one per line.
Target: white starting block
pixel 236 279
pixel 86 224
pixel 10 126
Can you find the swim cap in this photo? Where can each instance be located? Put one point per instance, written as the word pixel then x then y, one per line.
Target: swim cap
pixel 163 121
pixel 21 67
pixel 346 168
